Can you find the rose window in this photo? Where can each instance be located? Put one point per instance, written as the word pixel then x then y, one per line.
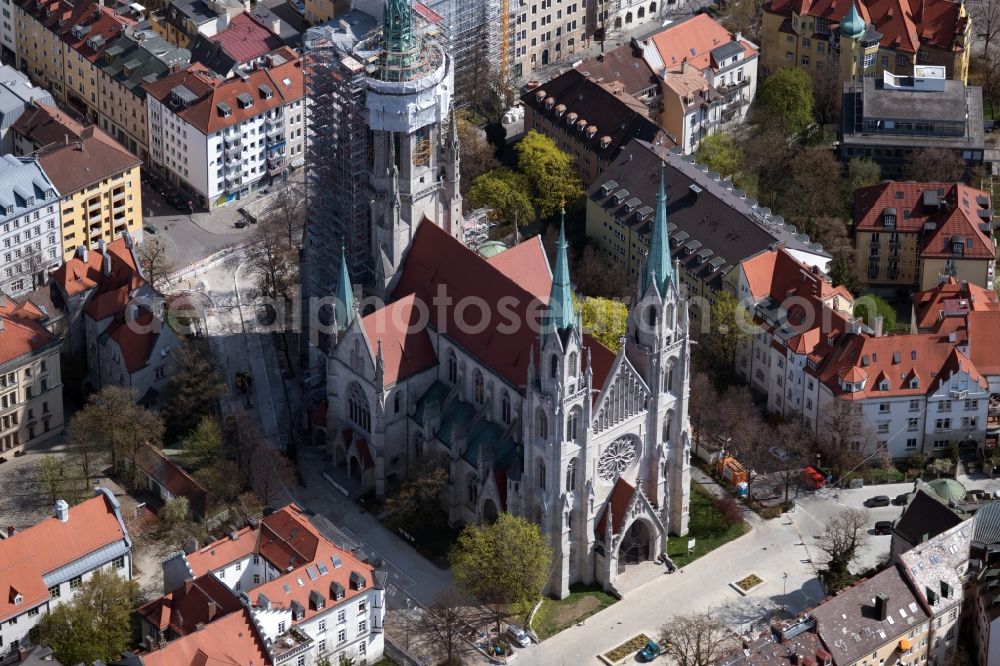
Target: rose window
pixel 617 457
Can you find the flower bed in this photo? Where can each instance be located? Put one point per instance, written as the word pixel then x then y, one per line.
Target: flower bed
pixel 625 649
pixel 744 585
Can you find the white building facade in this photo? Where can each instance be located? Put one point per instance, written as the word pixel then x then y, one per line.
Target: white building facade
pixel 29 225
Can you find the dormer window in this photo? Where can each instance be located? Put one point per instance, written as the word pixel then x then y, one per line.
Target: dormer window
pixel 30 201
pixel 224 109
pixel 889 218
pixel 958 247
pixel 244 100
pixel 884 385
pixel 266 92
pixel 914 383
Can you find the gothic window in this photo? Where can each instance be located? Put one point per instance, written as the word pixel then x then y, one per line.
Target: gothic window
pixel 395 403
pixel 358 408
pixel 554 367
pixel 571 475
pixel 418 447
pixel 669 383
pixel 543 424
pixel 452 366
pixel 617 458
pixel 571 368
pixel 666 431
pixel 572 423
pixel 541 473
pixel 651 317
pixel 505 407
pixel 473 489
pixel 478 387
pixel 670 315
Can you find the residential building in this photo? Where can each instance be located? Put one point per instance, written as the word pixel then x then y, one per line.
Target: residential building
pixel 232 639
pixel 100 186
pixel 945 308
pixel 43 125
pixel 546 32
pixel 31 406
pixel 534 413
pixel 29 225
pixel 45 565
pixel 912 235
pixel 8 44
pixel 709 77
pixel 218 139
pixel 926 515
pixel 16 95
pixel 183 20
pixel 712 226
pixel 244 42
pixel 984 605
pixel 847 40
pixel 591 121
pixel 627 66
pixel 168 481
pixel 131 60
pixel 300 595
pixel 879 620
pixel 938 569
pixel 784 643
pixel 886 120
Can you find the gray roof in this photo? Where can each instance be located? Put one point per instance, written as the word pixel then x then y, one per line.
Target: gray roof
pixel 936 566
pixel 986 525
pixel 924 515
pixel 88 562
pixel 21 178
pixel 15 93
pixel 141 58
pixel 727 50
pixel 947 104
pixel 344 32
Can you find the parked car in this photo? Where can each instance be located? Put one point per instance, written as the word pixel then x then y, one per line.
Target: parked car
pixel 650 652
pixel 883 527
pixel 878 500
pixel 179 201
pixel 518 635
pixel 900 500
pixel 240 224
pixel 150 229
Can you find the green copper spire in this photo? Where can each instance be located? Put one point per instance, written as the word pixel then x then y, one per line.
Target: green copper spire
pixel 658 267
pixel 344 295
pixel 853 26
pixel 561 314
pixel 400 49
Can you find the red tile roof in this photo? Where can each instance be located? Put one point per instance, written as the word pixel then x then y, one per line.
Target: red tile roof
pixel 185 608
pixel 230 641
pixel 76 276
pixel 21 331
pixel 245 39
pixel 136 337
pixel 30 554
pixel 617 503
pixel 527 265
pixel 169 475
pixel 899 21
pixel 984 341
pixel 43 124
pixel 222 552
pixel 94 157
pixel 401 329
pixel 285 82
pixel 944 308
pixel 692 41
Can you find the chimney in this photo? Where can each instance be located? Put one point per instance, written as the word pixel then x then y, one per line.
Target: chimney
pixel 11 530
pixel 81 253
pixel 881 606
pixel 62 511
pixel 879 323
pixel 106 263
pixel 213 609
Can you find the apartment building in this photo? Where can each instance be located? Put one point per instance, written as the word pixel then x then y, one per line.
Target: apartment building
pixel 711 227
pixel 911 235
pixel 245 40
pixel 303 596
pixel 220 139
pixel 16 94
pixel 29 225
pixel 709 77
pixel 31 409
pixel 43 125
pixel 548 31
pixel 182 21
pixel 100 186
pixel 886 119
pixel 848 40
pixel 590 120
pixel 46 564
pixel 984 604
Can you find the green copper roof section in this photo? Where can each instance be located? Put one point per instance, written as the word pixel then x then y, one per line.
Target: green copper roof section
pixel 658 267
pixel 400 48
pixel 561 314
pixel 853 25
pixel 344 295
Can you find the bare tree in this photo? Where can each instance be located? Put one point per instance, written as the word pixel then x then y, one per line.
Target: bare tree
pixel 793 443
pixel 34 264
pixel 154 262
pixel 934 165
pixel 443 624
pixel 986 22
pixel 270 471
pixel 273 264
pixel 697 640
pixel 843 537
pixel 288 212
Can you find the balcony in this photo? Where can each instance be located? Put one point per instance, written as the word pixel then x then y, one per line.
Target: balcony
pixel 233 151
pixel 232 140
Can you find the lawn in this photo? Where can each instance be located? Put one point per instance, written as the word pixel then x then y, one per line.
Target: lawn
pixel 706 526
pixel 554 615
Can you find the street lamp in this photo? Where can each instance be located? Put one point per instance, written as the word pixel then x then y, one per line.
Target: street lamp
pixel 784 583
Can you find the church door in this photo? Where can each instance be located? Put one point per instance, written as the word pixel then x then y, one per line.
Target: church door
pixel 637 545
pixel 490 513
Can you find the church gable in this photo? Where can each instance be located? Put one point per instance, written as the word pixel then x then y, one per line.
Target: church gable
pixel 354 351
pixel 624 395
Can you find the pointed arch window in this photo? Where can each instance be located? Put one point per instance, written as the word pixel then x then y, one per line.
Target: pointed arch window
pixel 571 366
pixel 571 475
pixel 554 367
pixel 543 424
pixel 540 469
pixel 395 402
pixel 452 367
pixel 668 379
pixel 478 391
pixel 505 407
pixel 358 411
pixel 573 424
pixel 472 488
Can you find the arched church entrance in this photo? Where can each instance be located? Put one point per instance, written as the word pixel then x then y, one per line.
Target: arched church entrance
pixel 355 468
pixel 637 545
pixel 490 513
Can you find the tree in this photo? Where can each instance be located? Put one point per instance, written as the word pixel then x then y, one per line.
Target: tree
pixel 505 193
pixel 861 173
pixel 204 444
pixel 870 306
pixel 443 625
pixel 118 427
pixel 785 100
pixel 828 92
pixel 272 264
pixel 730 328
pixel 478 154
pixel 550 170
pixel 223 477
pixel 812 188
pixel 95 625
pixel 832 233
pixel 504 565
pixel 941 466
pixel 702 408
pixel 154 261
pixel 605 320
pixel 288 212
pixel 984 71
pixel 697 640
pixel 986 23
pixel 53 481
pixel 193 388
pixel 721 153
pixel 844 535
pixel 594 275
pixel 792 447
pixel 270 472
pixel 934 165
pixel 767 155
pixel 744 16
pixel 34 265
pixel 416 501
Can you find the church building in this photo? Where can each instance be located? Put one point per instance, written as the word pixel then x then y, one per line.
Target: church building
pixel 482 366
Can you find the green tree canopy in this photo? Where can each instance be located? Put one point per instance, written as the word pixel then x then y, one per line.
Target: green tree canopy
pixel 720 153
pixel 95 625
pixel 193 389
pixel 730 325
pixel 504 565
pixel 506 193
pixel 861 173
pixel 204 444
pixel 785 100
pixel 605 319
pixel 870 305
pixel 550 170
